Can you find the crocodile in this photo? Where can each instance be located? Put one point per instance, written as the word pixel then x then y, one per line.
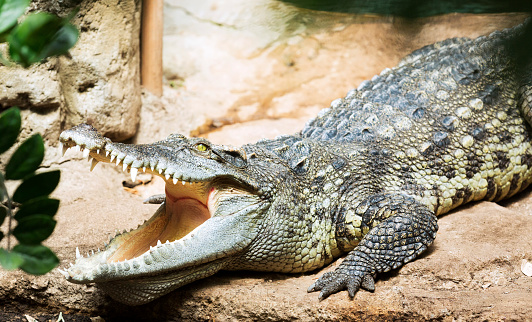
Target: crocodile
pixel 367 177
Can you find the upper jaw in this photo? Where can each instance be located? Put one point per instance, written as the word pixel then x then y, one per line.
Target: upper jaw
pixel 156 158
pixel 171 159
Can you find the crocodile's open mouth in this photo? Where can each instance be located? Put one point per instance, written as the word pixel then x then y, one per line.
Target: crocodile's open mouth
pixel 186 207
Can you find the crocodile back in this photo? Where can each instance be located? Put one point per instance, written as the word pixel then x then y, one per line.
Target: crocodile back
pixel 448 125
pixel 429 91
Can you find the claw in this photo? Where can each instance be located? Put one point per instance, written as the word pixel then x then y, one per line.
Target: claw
pixel 368 283
pixel 156 199
pixel 352 288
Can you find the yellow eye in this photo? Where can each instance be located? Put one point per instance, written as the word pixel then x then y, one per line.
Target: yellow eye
pixel 201 147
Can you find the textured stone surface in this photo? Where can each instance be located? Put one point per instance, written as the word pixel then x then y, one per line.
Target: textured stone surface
pixel 98 84
pixel 101 84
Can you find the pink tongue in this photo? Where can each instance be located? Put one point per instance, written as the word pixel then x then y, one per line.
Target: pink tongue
pixel 184 215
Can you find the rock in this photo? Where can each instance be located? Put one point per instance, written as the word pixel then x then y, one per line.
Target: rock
pixel 99 84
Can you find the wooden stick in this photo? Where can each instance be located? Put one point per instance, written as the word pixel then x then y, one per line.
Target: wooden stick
pixel 151 43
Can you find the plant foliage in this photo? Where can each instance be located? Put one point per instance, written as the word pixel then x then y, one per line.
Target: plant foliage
pixel 30 211
pixel 39 35
pixel 34 215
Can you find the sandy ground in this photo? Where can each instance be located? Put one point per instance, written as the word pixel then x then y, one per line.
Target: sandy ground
pixel 471 272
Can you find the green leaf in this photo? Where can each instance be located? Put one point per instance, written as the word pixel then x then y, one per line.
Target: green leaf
pixel 41 205
pixel 64 39
pixel 10 260
pixel 32 230
pixel 10 10
pixel 9 127
pixel 3 214
pixel 41 35
pixel 26 158
pixel 38 259
pixel 39 185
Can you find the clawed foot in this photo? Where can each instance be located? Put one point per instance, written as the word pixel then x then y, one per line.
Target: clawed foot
pixel 393 241
pixel 337 280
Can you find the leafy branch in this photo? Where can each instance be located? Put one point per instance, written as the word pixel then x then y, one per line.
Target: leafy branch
pixel 35 210
pixel 38 36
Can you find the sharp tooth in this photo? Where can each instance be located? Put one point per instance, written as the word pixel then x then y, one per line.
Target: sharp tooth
pixel 152 167
pixel 64 273
pixel 86 153
pixel 63 148
pixel 107 153
pixel 124 167
pixel 92 251
pixel 160 171
pixel 112 158
pixel 159 243
pixel 143 169
pixel 94 163
pixel 175 180
pixel 134 172
pixel 167 176
pixel 97 151
pixel 78 255
pixel 118 161
pixel 183 182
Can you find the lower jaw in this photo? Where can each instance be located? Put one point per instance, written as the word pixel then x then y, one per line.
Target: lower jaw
pixel 144 289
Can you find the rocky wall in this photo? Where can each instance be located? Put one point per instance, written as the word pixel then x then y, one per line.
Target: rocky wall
pixel 98 83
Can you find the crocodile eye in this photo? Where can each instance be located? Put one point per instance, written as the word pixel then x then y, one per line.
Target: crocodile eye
pixel 201 147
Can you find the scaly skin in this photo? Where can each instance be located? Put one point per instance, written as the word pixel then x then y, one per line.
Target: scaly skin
pixel 366 177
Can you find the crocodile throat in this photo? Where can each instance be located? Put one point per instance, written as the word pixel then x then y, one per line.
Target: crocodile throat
pixel 185 209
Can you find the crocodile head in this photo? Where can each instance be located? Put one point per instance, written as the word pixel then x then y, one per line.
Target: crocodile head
pixel 210 215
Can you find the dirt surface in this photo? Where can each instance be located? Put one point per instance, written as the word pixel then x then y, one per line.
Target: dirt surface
pixel 471 272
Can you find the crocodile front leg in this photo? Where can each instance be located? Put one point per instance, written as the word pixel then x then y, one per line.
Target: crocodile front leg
pixel 399 229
